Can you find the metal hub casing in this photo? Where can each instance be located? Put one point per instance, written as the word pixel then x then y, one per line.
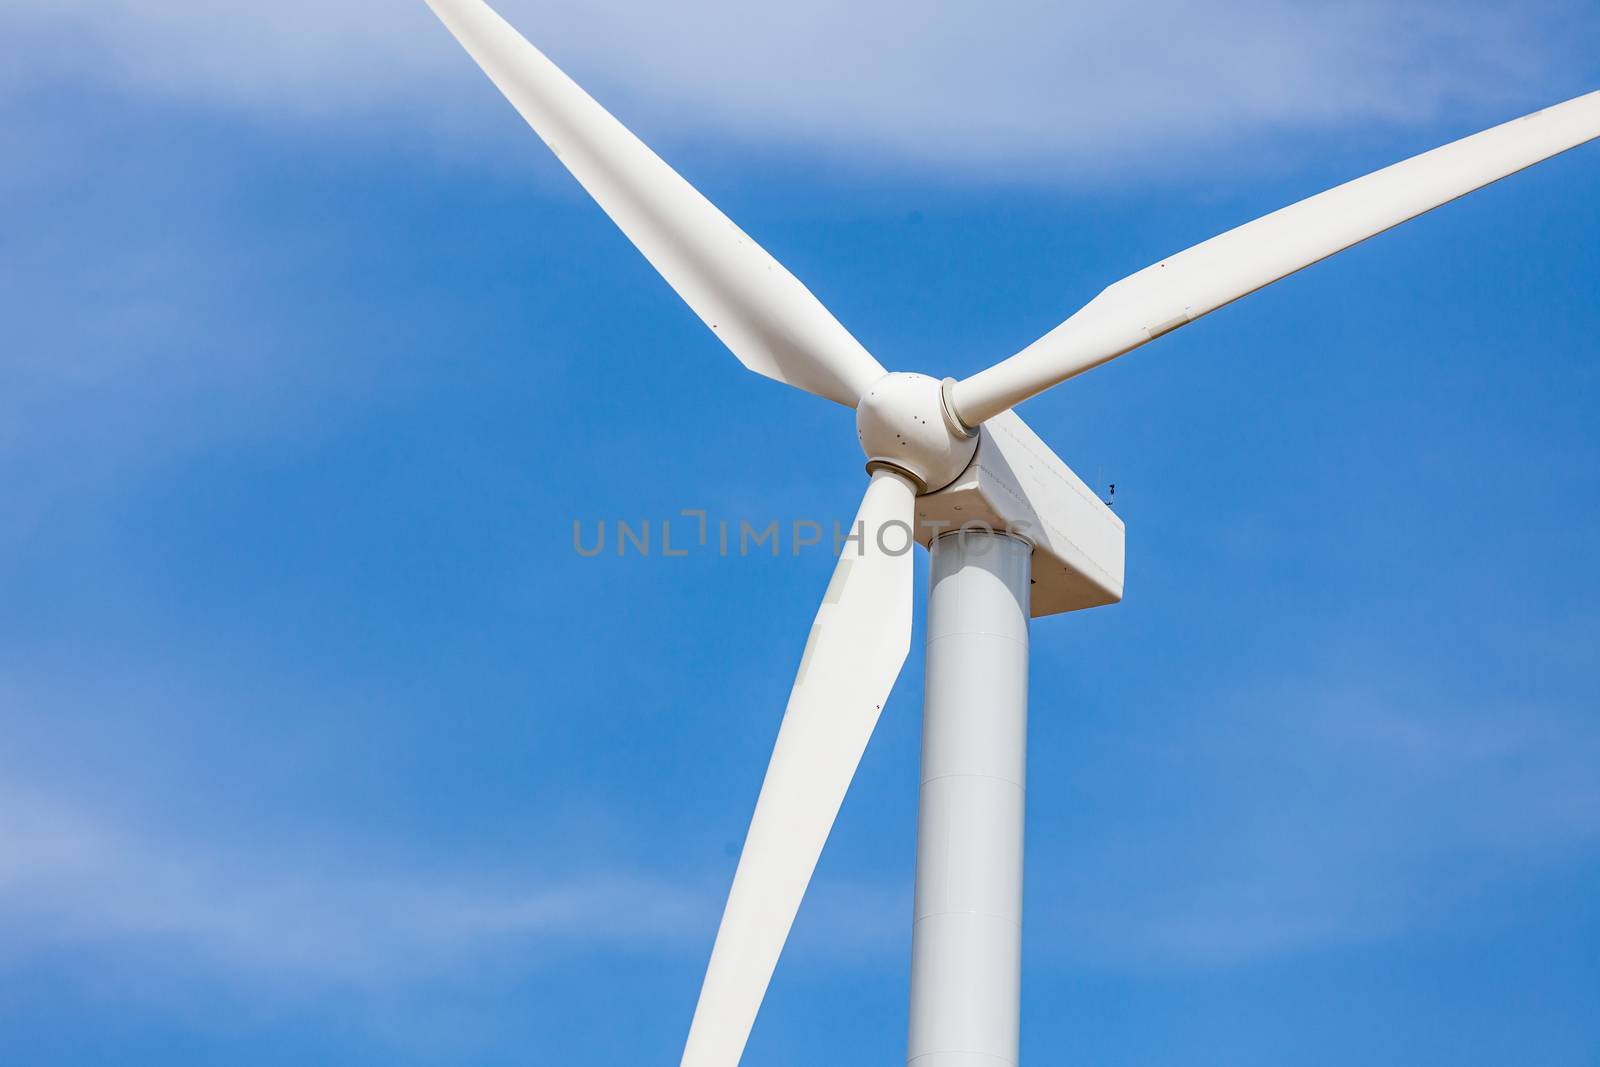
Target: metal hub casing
pixel 902 423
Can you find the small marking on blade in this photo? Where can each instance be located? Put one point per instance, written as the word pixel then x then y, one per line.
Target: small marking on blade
pixel 841 574
pixel 805 657
pixel 1167 327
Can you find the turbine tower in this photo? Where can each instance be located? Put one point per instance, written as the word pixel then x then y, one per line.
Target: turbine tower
pixel 1013 534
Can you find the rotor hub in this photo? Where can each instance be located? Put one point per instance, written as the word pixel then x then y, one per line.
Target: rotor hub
pixel 904 423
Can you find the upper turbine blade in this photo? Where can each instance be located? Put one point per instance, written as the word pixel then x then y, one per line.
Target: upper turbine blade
pixel 770 321
pixel 1180 289
pixel 857 646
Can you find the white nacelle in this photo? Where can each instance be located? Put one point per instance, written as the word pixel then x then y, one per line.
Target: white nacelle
pixel 1016 482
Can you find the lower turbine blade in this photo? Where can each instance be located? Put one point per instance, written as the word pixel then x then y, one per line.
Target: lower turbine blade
pixel 852 658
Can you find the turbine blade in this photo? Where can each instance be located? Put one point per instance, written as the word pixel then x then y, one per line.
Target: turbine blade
pixel 1180 289
pixel 766 317
pixel 857 646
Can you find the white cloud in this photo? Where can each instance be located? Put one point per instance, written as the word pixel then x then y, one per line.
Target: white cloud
pixel 1292 825
pixel 134 914
pixel 1035 87
pixel 74 879
pixel 265 925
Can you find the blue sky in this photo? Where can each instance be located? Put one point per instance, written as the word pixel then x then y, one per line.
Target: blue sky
pixel 318 741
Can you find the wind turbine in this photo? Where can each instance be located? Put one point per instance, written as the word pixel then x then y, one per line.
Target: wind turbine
pixel 940 455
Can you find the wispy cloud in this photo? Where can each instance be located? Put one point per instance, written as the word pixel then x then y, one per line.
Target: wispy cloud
pixel 1034 88
pixel 80 880
pixel 1288 824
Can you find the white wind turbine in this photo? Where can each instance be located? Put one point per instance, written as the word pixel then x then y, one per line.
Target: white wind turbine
pixel 939 454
